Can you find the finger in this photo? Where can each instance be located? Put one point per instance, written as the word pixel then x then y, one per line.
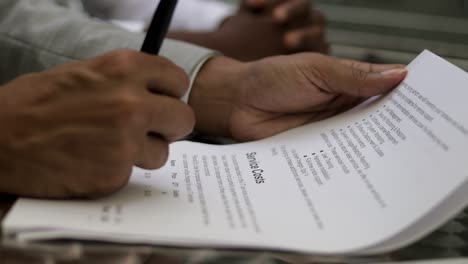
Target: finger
pixel 318 18
pixel 333 104
pixel 305 39
pixel 254 4
pixel 156 73
pixel 168 80
pixel 369 67
pixel 168 117
pixel 353 81
pixel 162 76
pixel 154 153
pixel 290 10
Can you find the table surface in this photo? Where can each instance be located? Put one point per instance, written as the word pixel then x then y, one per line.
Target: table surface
pixel 450 241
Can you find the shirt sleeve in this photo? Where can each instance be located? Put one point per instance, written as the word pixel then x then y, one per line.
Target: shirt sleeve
pixel 38 34
pixel 122 10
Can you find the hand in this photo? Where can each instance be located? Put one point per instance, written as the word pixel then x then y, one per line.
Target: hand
pixel 250 101
pixel 77 130
pixel 244 36
pixel 305 26
pixel 254 33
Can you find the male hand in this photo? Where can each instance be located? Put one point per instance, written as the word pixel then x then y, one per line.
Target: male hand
pixel 265 28
pixel 250 101
pixel 304 26
pixel 77 130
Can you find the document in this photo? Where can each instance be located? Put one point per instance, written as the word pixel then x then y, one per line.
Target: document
pixel 371 180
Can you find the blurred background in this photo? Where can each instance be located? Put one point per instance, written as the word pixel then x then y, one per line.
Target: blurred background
pixel 397 30
pixel 384 31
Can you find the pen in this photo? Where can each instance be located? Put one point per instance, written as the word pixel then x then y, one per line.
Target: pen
pixel 159 26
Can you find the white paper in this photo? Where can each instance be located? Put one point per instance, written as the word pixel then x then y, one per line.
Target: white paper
pixel 370 180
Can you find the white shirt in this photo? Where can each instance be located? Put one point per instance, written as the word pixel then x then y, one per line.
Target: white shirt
pixel 135 15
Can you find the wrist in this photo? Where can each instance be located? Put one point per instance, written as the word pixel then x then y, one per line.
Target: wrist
pixel 215 93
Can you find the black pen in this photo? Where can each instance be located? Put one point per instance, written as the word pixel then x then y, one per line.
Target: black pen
pixel 159 26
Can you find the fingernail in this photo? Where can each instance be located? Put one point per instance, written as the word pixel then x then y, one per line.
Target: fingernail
pixel 394 72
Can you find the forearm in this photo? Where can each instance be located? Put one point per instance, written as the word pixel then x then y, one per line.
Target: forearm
pixel 38 34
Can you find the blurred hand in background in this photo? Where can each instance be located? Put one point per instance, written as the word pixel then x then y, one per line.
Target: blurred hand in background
pixel 264 28
pixel 258 29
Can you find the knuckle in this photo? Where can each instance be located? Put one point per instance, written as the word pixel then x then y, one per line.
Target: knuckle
pixel 361 78
pixel 359 75
pixel 127 109
pixel 315 74
pixel 123 55
pixel 78 80
pixel 119 63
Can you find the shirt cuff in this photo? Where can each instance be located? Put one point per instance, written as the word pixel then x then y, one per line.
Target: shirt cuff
pixel 194 75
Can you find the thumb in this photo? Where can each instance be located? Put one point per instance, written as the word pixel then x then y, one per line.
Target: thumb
pixel 360 79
